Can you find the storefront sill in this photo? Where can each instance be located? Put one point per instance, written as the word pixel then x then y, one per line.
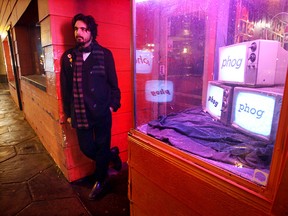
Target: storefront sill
pixel 38 81
pixel 12 84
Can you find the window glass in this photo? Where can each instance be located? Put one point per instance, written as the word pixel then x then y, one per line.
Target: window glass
pixel 28 41
pixel 209 78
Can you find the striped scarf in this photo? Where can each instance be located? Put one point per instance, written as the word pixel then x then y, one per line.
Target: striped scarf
pixel 80 112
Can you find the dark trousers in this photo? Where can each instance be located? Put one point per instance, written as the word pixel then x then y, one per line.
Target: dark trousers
pixel 95 143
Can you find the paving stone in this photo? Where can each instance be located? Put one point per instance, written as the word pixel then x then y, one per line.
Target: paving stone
pixel 31 146
pixel 6 153
pixel 115 202
pixel 110 204
pixel 50 184
pixel 23 167
pixel 69 206
pixel 7 104
pixel 3 129
pixel 4 92
pixel 12 112
pixel 20 126
pixel 7 121
pixel 14 137
pixel 13 198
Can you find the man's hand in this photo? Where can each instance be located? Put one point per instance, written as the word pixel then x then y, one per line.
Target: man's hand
pixel 69 120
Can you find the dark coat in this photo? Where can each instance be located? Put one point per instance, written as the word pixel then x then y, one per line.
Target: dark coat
pixel 100 91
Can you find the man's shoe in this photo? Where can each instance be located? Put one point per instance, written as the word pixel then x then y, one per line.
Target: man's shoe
pixel 97 191
pixel 116 160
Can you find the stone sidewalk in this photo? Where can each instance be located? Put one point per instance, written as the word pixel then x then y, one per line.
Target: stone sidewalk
pixel 32 184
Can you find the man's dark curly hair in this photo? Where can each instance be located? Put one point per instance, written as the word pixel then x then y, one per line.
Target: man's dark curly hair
pixel 89 21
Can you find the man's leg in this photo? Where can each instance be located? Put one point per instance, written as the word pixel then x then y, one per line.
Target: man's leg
pixel 102 134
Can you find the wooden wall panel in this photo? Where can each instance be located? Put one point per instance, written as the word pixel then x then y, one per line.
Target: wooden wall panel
pixel 121 123
pixel 113 35
pixel 61 29
pixel 149 197
pixel 112 11
pixel 161 174
pixel 23 50
pixel 43 108
pixel 46 34
pixel 122 59
pixel 113 18
pixel 44 120
pixel 43 9
pixel 126 104
pixel 8 61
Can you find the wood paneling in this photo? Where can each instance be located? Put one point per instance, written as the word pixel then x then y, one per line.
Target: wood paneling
pixel 43 109
pixel 162 178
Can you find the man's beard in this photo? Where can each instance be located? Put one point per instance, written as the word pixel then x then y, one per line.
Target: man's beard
pixel 83 43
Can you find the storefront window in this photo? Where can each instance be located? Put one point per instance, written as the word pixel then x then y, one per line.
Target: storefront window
pixel 29 54
pixel 28 41
pixel 209 79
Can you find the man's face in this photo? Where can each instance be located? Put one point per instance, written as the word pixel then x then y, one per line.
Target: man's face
pixel 82 34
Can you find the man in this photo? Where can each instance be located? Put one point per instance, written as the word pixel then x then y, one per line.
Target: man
pixel 90 94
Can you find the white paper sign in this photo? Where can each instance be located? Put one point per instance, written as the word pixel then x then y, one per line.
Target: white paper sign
pixel 159 91
pixel 144 61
